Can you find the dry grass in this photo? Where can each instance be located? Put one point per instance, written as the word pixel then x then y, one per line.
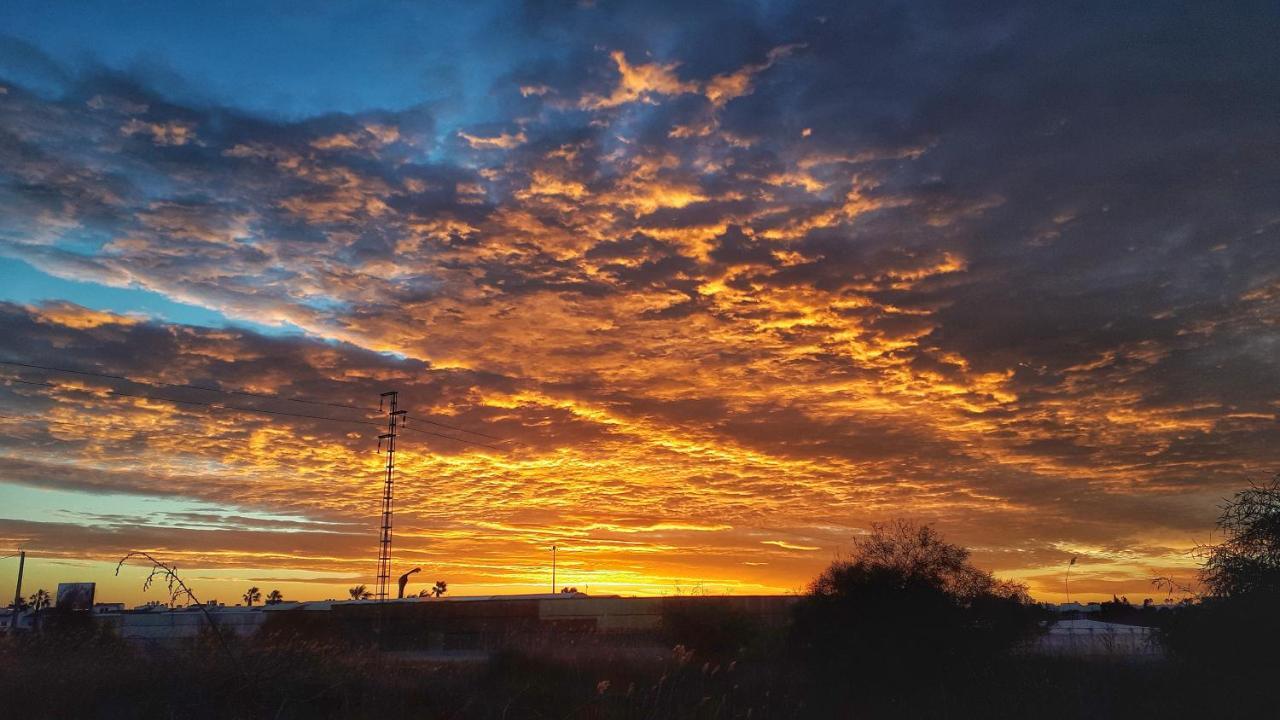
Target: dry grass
pixel 76 671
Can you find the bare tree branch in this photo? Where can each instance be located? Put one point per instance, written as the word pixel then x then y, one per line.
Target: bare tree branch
pixel 178 589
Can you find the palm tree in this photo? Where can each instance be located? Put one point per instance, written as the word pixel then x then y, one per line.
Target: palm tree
pixel 360 592
pixel 274 597
pixel 440 588
pixel 40 599
pixel 251 596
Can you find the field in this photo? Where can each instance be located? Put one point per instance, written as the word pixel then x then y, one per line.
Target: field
pixel 89 675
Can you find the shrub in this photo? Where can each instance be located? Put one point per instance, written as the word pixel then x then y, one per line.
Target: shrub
pixel 906 609
pixel 710 627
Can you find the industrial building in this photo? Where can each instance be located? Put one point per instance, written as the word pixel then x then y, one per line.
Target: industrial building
pixel 459 625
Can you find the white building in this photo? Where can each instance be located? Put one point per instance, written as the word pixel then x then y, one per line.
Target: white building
pixel 1093 638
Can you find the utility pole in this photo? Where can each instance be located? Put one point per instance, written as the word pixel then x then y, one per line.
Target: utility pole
pixel 17 594
pixel 553 569
pixel 395 420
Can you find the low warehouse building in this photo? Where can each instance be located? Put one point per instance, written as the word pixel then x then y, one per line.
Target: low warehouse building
pixel 459 624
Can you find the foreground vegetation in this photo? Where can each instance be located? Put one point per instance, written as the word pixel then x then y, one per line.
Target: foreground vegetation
pixel 103 678
pixel 904 627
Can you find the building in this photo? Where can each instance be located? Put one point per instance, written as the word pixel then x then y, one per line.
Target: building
pixel 477 624
pixel 1093 638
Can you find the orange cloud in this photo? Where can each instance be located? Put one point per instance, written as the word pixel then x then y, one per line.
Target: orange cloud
pixel 728 86
pixel 712 347
pixel 502 141
pixel 640 83
pixel 166 133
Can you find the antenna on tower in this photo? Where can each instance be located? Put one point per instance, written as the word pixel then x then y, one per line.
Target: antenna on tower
pixel 395 420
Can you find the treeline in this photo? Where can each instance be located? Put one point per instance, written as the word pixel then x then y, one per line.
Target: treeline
pixel 906 626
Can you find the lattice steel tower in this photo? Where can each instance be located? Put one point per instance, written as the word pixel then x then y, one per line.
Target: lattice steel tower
pixel 395 420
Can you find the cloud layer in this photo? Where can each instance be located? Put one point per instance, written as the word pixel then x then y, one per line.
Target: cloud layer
pixel 734 286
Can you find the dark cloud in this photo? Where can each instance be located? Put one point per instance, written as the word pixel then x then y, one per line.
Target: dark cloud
pixel 22 60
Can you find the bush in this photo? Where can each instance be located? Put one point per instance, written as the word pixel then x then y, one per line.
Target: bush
pixel 905 610
pixel 710 627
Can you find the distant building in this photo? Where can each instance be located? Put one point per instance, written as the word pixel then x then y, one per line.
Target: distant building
pixel 442 625
pixel 1074 607
pixel 1092 638
pixel 25 620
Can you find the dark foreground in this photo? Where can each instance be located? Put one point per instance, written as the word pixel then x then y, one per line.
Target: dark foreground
pixel 100 677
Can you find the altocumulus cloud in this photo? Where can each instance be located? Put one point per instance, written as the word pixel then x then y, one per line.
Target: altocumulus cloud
pixel 734 283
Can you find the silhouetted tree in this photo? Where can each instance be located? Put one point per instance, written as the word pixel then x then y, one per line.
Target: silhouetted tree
pixel 905 608
pixel 274 597
pixel 251 596
pixel 359 592
pixel 1248 558
pixel 568 590
pixel 440 588
pixel 1235 626
pixel 39 600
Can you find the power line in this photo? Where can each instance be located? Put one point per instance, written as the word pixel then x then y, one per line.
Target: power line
pixel 265 396
pixel 37 418
pixel 42 419
pixel 225 406
pixel 68 423
pixel 240 408
pixel 455 427
pixel 450 437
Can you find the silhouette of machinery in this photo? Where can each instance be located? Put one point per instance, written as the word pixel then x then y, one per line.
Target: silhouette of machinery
pixel 404 580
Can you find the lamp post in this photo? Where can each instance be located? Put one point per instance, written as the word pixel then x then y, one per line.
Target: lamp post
pixel 404 580
pixel 17 593
pixel 1068 580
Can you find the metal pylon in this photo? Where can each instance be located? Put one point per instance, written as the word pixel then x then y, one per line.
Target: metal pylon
pixel 395 420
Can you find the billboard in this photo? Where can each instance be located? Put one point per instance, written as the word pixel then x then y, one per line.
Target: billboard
pixel 75 596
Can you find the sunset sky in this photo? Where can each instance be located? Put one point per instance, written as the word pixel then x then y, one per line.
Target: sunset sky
pixel 712 287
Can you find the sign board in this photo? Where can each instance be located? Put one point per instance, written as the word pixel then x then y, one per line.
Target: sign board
pixel 75 596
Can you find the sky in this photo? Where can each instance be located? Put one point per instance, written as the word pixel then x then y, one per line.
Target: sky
pixel 696 292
